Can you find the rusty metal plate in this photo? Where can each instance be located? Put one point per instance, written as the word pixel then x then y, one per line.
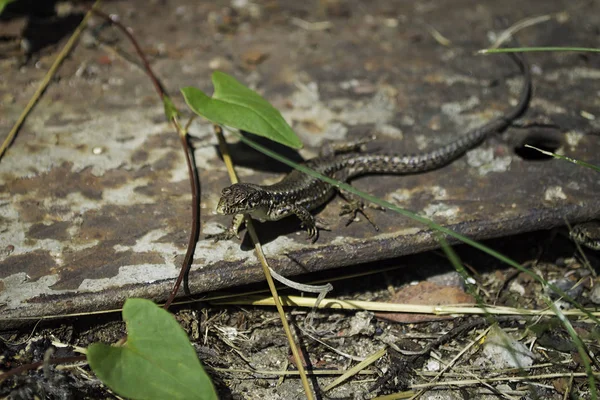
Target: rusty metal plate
pixel 94 194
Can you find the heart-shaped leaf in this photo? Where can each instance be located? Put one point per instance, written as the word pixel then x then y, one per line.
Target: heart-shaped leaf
pixel 237 106
pixel 157 362
pixel 4 3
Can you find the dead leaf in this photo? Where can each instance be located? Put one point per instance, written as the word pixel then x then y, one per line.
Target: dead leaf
pixel 426 293
pixel 254 57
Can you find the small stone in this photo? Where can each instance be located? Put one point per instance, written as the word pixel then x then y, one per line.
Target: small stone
pixel 254 57
pixel 360 323
pixel 570 287
pixel 500 350
pixel 220 63
pixel 595 294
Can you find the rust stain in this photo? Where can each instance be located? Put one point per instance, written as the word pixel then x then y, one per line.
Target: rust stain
pixel 139 156
pixel 165 190
pixel 59 119
pixel 101 261
pixel 35 264
pixel 167 140
pixel 126 224
pixel 61 181
pixel 30 210
pixel 55 230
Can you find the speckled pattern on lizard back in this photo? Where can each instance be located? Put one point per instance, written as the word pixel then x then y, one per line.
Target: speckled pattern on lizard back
pixel 299 193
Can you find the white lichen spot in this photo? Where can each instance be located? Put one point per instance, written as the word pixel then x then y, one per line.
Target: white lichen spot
pixel 555 193
pixel 282 245
pixel 573 138
pixel 381 107
pixel 441 210
pixel 130 274
pixel 422 142
pixel 485 162
pixel 478 157
pixel 316 121
pixel 206 159
pixel 439 193
pixel 399 196
pixel 212 228
pixel 389 131
pixel 18 289
pixel 455 108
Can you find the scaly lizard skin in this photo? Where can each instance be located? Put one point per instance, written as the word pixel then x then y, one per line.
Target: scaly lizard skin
pixel 299 193
pixel 587 234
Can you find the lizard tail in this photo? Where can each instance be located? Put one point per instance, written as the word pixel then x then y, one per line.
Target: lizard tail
pixel 413 163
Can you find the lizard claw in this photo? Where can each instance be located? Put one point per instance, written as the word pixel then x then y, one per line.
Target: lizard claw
pixel 227 234
pixel 353 208
pixel 312 233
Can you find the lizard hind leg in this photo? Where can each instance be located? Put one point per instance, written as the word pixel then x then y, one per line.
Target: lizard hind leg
pixel 332 149
pixel 354 206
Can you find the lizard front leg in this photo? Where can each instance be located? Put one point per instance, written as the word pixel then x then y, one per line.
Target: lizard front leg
pixel 308 222
pixel 236 224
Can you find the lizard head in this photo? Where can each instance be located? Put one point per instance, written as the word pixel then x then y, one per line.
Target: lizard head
pixel 240 198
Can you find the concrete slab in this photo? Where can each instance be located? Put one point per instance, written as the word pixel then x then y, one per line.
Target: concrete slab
pixel 94 194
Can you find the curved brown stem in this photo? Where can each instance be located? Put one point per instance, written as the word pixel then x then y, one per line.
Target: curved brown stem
pixel 27 367
pixel 189 158
pixel 195 233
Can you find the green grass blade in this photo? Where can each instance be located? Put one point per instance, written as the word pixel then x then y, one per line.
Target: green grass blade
pixel 565 158
pixel 537 49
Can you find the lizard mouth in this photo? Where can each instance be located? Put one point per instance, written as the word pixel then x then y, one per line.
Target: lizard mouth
pixel 221 208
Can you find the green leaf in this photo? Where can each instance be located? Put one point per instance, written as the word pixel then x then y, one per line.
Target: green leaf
pixel 170 110
pixel 236 106
pixel 157 362
pixel 4 3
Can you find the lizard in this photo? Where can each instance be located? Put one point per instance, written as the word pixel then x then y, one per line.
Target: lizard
pixel 587 234
pixel 298 194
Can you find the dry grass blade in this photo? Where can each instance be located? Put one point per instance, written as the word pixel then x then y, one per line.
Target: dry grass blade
pixel 314 372
pixel 472 382
pixel 263 262
pixel 522 24
pixel 46 81
pixel 297 301
pixel 358 367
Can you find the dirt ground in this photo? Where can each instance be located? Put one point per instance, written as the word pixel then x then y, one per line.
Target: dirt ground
pixel 238 344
